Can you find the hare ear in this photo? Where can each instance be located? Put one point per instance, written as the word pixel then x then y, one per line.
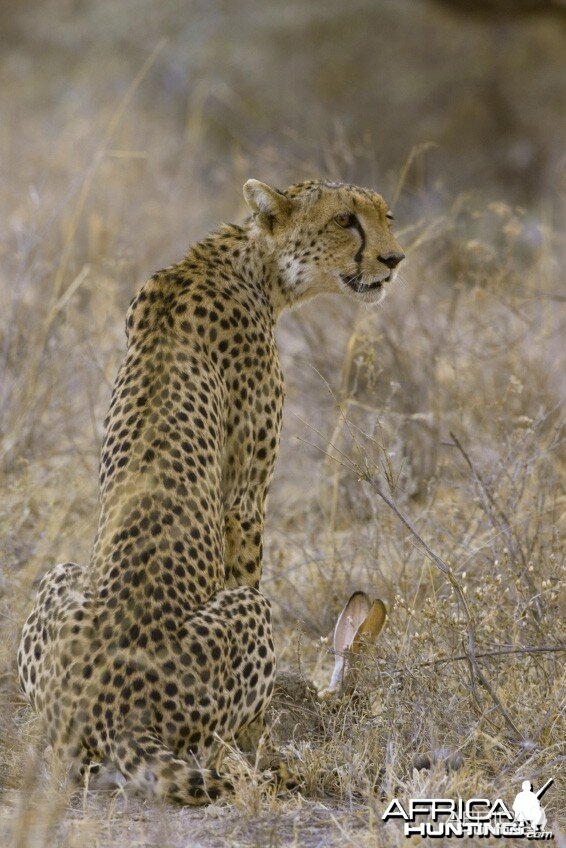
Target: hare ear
pixel 350 619
pixel 267 205
pixel 371 626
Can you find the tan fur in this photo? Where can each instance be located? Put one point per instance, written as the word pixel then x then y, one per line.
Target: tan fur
pixel 162 646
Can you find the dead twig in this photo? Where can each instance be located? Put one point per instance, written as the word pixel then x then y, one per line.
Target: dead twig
pixel 494 511
pixel 546 649
pixel 476 672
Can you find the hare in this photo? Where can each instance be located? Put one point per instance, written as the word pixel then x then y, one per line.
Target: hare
pixel 300 713
pixel 357 628
pixel 298 709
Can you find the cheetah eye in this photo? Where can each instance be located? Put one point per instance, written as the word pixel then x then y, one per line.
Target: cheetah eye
pixel 345 219
pixel 390 216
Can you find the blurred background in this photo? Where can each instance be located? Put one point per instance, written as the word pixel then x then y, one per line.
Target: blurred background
pixel 128 128
pixel 289 83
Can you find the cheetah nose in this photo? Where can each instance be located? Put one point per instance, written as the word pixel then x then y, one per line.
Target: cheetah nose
pixel 392 259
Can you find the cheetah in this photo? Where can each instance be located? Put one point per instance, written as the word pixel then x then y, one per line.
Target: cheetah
pixel 161 650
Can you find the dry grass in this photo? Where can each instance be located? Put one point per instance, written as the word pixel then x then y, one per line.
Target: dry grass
pixel 446 400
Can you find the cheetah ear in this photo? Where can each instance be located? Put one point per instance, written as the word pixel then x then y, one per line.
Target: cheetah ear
pixel 268 205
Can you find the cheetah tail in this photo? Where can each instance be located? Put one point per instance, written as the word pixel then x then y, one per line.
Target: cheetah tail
pixel 155 770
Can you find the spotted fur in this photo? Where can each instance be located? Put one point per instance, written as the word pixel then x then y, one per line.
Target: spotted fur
pixel 161 648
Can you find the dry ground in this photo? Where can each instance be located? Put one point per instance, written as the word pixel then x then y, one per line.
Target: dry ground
pixel 446 400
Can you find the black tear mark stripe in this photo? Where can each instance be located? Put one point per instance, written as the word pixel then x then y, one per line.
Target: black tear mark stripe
pixel 360 254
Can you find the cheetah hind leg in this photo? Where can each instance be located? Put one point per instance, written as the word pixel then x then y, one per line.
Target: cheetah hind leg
pixel 256 741
pixel 153 768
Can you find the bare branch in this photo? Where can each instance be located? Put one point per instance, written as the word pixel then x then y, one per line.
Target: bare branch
pixel 476 672
pixel 546 649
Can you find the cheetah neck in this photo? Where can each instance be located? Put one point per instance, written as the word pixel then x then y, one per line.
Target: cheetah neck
pixel 273 278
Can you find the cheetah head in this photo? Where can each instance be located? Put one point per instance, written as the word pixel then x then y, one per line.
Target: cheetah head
pixel 326 237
